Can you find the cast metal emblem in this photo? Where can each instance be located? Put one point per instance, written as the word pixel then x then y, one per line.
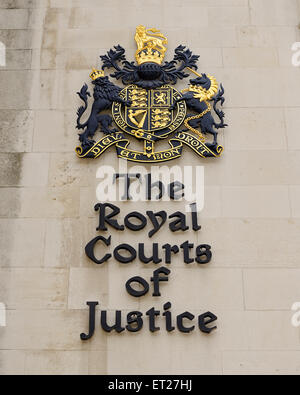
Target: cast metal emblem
pixel 149 108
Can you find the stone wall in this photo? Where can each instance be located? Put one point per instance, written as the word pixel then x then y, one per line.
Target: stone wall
pixel 252 194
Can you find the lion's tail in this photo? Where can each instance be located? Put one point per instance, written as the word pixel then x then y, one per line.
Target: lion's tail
pixel 219 98
pixel 83 94
pixel 157 33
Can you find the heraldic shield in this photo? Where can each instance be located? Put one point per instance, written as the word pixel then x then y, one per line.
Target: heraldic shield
pixel 149 108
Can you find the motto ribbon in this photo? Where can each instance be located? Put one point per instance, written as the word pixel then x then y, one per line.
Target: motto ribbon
pixel 97 149
pixel 198 146
pixel 174 152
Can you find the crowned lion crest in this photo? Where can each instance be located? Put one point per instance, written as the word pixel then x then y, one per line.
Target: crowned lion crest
pixel 148 107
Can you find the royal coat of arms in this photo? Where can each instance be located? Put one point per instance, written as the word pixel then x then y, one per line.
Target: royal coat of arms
pixel 149 108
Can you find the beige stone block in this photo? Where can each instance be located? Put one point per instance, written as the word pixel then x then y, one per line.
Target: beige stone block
pixel 266 36
pixel 18 169
pixel 18 59
pixel 36 18
pixel 250 57
pixel 64 242
pixel 80 59
pixel 50 202
pixel 68 169
pixel 44 59
pixel 219 36
pixel 19 85
pixel 285 56
pixel 271 289
pixel 168 352
pixel 46 90
pixel 208 3
pixel 113 16
pixel 274 12
pixel 294 197
pixel 58 3
pixel 254 168
pixel 23 3
pixel 97 362
pixel 232 331
pixel 162 364
pixel 260 87
pixel 54 131
pixel 37 165
pixel 271 330
pixel 230 3
pixel 154 3
pixel 17 39
pixel 202 289
pixel 212 202
pixel 209 57
pixel 14 19
pixel 40 202
pixel 254 129
pixel 261 362
pixel 256 242
pixel 292 127
pixel 136 12
pixel 50 330
pixel 56 362
pixel 16 128
pixel 12 362
pixel 95 38
pixel 290 95
pixel 22 242
pixel 191 14
pixel 89 285
pixel 36 288
pixel 57 18
pixel 10 202
pixel 255 330
pixel 69 59
pixel 50 38
pixel 10 169
pixel 38 37
pixel 194 4
pixel 228 16
pixel 88 200
pixel 292 167
pixel 255 202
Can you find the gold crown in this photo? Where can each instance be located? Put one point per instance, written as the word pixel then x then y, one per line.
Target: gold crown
pixel 150 48
pixel 96 74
